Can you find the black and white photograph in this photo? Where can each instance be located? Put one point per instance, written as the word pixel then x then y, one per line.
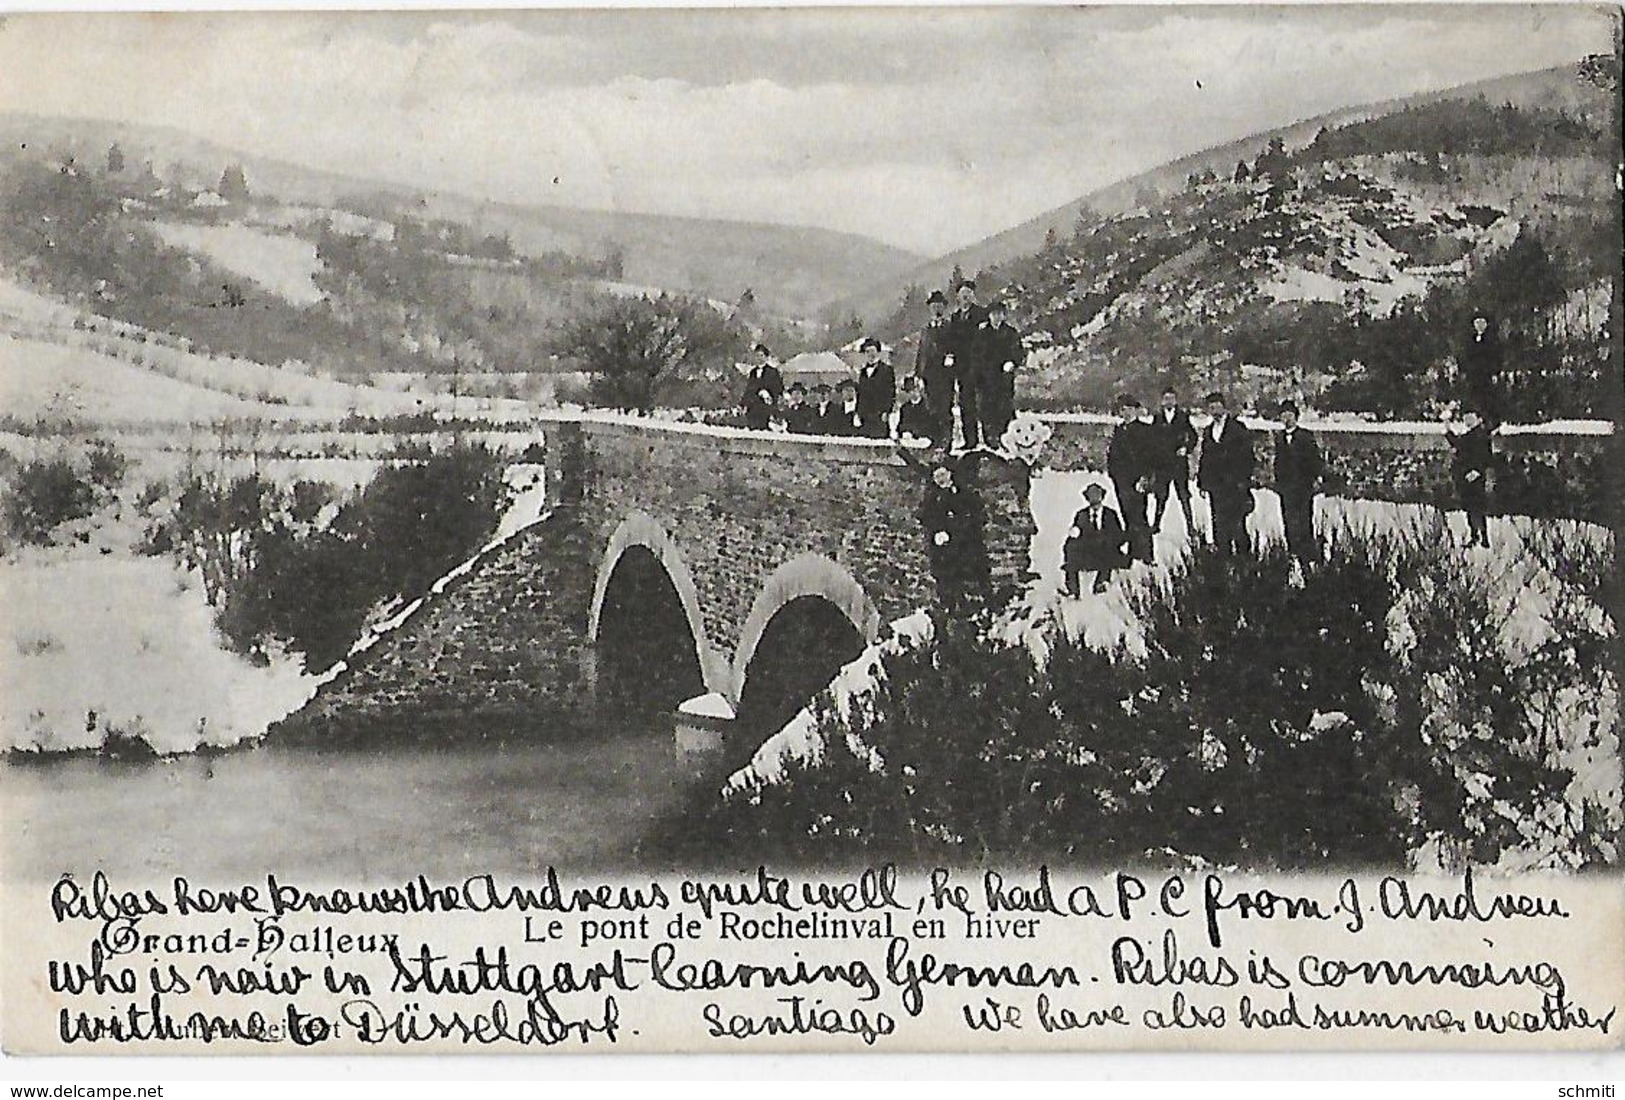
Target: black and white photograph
pixel 996 464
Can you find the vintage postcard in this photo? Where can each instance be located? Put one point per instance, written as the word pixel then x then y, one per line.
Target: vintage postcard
pixel 746 530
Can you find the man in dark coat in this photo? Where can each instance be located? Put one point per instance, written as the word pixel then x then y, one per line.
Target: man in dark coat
pixel 1298 468
pixel 1129 465
pixel 821 410
pixel 913 415
pixel 998 358
pixel 1471 465
pixel 798 414
pixel 877 391
pixel 1174 443
pixel 952 517
pixel 1482 361
pixel 931 367
pixel 965 351
pixel 841 418
pixel 764 386
pixel 1096 543
pixel 1225 473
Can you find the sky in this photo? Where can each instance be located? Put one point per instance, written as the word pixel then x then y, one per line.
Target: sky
pixel 927 128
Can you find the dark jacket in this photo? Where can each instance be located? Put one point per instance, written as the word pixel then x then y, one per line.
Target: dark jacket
pixel 823 419
pixel 838 421
pixel 877 392
pixel 1482 357
pixel 1473 453
pixel 1226 466
pixel 934 348
pixel 1298 465
pixel 1130 455
pixel 1001 353
pixel 956 513
pixel 965 338
pixel 803 419
pixel 1173 442
pixel 914 419
pixel 1089 548
pixel 763 377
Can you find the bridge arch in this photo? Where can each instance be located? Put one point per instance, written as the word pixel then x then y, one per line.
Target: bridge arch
pixel 640 531
pixel 798 581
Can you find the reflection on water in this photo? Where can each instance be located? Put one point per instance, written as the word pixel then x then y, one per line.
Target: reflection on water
pixel 383 812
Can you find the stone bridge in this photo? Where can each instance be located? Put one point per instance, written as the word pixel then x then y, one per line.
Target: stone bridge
pixel 676 561
pixel 680 561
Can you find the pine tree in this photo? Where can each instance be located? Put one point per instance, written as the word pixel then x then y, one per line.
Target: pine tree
pixel 234 184
pixel 115 160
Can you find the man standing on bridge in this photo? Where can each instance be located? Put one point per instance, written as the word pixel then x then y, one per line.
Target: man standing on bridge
pixel 877 391
pixel 965 338
pixel 999 357
pixel 931 367
pixel 764 386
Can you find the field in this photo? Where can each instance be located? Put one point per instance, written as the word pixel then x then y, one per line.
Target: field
pixel 282 263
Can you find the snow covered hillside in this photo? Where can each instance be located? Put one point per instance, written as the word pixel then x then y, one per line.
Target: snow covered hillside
pixel 282 263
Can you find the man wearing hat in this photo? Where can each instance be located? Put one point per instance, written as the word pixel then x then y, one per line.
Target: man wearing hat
pixel 798 415
pixel 931 366
pixel 764 385
pixel 1129 461
pixel 1225 473
pixel 821 409
pixel 1171 467
pixel 842 418
pixel 1298 467
pixel 965 352
pixel 1471 464
pixel 998 359
pixel 951 515
pixel 1096 543
pixel 913 416
pixel 877 391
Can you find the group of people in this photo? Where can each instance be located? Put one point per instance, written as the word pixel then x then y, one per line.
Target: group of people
pixel 966 365
pixel 967 360
pixel 1148 463
pixel 861 405
pixel 961 396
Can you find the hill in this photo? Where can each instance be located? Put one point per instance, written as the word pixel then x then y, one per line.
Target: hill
pixel 1555 89
pixel 791 270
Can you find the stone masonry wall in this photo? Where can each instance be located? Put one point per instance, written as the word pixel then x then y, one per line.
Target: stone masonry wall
pixel 511 636
pixel 738 507
pixel 506 638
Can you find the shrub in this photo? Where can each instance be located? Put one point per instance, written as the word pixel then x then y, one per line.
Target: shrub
pixel 1359 711
pixel 44 494
pixel 272 574
pixel 106 465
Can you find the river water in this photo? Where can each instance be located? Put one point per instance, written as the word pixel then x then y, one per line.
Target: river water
pixel 386 812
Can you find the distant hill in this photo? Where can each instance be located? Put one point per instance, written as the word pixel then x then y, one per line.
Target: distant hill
pixel 1556 89
pixel 790 269
pixel 1344 266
